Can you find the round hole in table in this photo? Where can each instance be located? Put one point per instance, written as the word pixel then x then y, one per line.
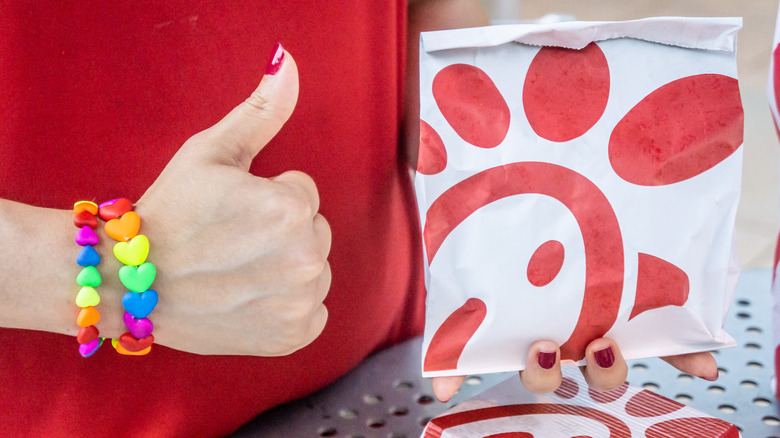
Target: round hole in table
pixel 771 421
pixel 375 423
pixel 348 414
pixel 473 380
pixel 372 399
pixel 327 432
pixel 748 384
pixel 399 411
pixel 760 401
pixel 715 389
pixel 683 398
pixel 424 399
pixel 403 385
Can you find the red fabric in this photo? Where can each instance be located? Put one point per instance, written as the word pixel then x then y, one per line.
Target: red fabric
pixel 96 96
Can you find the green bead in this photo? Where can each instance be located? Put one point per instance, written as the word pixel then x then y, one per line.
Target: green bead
pixel 137 279
pixel 89 276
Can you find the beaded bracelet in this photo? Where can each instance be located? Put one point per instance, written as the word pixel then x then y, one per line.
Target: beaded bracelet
pixel 122 225
pixel 89 278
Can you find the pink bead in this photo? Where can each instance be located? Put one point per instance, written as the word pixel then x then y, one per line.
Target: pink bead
pixel 88 349
pixel 138 327
pixel 113 201
pixel 87 236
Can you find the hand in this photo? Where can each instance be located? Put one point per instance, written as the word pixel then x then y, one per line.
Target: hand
pixel 605 368
pixel 241 260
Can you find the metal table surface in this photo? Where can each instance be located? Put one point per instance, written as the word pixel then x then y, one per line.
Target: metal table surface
pixel 386 397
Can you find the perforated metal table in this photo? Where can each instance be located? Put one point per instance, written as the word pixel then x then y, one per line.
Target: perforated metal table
pixel 386 397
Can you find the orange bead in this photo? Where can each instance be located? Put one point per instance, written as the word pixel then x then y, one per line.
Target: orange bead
pixel 124 228
pixel 89 206
pixel 88 316
pixel 121 350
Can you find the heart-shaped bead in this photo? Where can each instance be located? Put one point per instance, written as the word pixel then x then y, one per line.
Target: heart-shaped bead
pixel 89 276
pixel 121 350
pixel 85 219
pixel 88 349
pixel 87 236
pixel 140 305
pixel 137 279
pixel 87 334
pixel 134 345
pixel 138 327
pixel 88 316
pixel 88 256
pixel 87 297
pixel 124 228
pixel 134 252
pixel 114 208
pixel 89 206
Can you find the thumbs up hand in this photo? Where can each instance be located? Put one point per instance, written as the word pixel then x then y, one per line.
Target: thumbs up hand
pixel 242 260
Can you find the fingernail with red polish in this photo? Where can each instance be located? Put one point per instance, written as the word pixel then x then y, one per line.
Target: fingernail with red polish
pixel 546 360
pixel 275 63
pixel 605 358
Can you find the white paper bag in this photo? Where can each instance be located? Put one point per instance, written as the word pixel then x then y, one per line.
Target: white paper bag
pixel 578 180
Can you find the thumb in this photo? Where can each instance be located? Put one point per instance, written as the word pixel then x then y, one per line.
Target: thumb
pixel 252 124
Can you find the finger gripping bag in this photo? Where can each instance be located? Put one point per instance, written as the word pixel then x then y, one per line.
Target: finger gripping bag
pixel 575 181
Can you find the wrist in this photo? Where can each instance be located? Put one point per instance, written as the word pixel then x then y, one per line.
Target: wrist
pixel 39 287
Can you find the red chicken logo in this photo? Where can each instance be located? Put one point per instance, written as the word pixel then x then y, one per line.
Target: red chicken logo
pixel 681 130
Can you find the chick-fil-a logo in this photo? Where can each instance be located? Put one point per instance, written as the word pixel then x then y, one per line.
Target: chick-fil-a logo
pixel 678 131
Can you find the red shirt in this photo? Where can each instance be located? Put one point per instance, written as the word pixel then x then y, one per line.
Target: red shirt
pixel 97 96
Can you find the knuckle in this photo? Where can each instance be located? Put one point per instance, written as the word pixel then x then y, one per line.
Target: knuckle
pixel 296 177
pixel 311 265
pixel 286 214
pixel 258 100
pixel 299 312
pixel 301 185
pixel 295 209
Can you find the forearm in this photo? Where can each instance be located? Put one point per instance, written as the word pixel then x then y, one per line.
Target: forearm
pixel 427 15
pixel 38 268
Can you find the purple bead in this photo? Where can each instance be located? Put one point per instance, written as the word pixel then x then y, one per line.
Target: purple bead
pixel 88 349
pixel 138 327
pixel 107 203
pixel 87 236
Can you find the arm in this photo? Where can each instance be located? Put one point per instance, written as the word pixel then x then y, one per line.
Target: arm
pixel 241 260
pixel 38 267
